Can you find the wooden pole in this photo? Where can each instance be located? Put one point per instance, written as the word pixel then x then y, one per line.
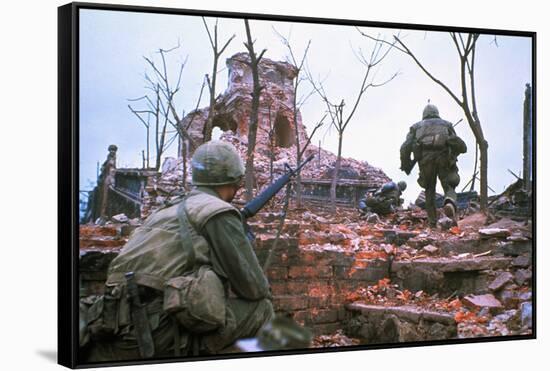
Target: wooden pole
pixel 527 140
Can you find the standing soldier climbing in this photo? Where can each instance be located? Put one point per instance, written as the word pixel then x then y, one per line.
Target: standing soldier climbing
pixel 435 146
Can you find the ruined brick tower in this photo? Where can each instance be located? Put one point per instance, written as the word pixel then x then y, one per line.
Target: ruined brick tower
pixel 232 108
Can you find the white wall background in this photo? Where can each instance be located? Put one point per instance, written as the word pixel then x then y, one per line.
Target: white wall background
pixel 28 188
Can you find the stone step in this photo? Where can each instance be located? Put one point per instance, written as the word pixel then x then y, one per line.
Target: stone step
pixel 380 324
pixel 446 276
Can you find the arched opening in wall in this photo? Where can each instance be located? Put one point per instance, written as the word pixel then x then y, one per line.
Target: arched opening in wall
pixel 284 137
pixel 225 122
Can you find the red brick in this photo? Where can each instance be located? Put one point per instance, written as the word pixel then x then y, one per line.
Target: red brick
pixel 290 303
pixel 297 287
pixel 279 288
pixel 101 243
pixel 97 231
pixel 277 273
pixel 310 272
pixel 318 302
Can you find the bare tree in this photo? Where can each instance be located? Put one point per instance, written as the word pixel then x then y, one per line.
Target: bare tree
pixel 160 118
pixel 253 124
pixel 161 107
pixel 297 103
pixel 339 120
pixel 465 45
pixel 217 51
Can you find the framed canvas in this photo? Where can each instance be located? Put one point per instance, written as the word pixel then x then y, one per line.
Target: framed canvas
pixel 236 185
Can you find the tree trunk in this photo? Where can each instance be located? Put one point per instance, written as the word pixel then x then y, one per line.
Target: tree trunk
pixel 207 132
pixel 336 173
pixel 483 166
pixel 252 129
pixel 298 182
pixel 184 162
pixel 527 138
pixel 253 124
pixel 147 147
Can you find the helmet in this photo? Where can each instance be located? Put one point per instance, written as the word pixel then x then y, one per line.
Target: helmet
pixel 402 185
pixel 216 163
pixel 278 334
pixel 430 112
pixel 283 333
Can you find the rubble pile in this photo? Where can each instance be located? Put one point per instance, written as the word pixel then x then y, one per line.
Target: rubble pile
pixel 514 202
pixel 340 275
pixel 471 280
pixel 338 339
pixel 276 135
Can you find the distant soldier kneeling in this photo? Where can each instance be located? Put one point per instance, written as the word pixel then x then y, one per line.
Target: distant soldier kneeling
pixel 385 200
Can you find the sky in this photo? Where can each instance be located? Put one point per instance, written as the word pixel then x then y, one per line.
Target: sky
pixel 112 68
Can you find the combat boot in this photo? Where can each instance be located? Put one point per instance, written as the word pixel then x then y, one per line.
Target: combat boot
pixel 450 212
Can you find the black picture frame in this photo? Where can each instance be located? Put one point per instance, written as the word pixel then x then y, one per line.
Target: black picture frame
pixel 68 175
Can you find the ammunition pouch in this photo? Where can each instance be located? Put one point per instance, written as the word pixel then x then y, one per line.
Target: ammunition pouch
pixel 197 300
pixel 108 315
pixel 105 315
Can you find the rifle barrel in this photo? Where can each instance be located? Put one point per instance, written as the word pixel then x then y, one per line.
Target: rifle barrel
pixel 256 204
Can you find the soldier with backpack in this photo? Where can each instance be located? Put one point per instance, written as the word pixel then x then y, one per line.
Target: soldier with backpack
pixel 435 146
pixel 188 281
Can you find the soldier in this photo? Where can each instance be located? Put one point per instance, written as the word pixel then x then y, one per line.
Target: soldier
pixel 435 146
pixel 384 200
pixel 199 283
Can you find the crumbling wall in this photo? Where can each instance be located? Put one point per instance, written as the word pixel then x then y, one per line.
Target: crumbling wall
pixel 232 108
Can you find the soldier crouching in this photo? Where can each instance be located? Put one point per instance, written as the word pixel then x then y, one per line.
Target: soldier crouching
pixel 385 200
pixel 199 282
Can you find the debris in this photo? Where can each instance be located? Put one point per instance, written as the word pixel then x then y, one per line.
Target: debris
pixel 472 222
pixel 389 249
pixel 372 218
pixel 526 296
pixel 501 280
pixel 522 261
pixel 338 339
pixel 120 218
pixel 494 233
pixel 480 301
pixel 522 276
pixel 446 223
pixel 488 252
pixel 430 249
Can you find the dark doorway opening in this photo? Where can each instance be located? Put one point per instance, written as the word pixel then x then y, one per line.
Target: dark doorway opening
pixel 284 137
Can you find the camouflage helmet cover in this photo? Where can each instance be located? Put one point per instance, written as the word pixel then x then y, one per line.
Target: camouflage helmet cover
pixel 402 185
pixel 430 112
pixel 283 333
pixel 216 163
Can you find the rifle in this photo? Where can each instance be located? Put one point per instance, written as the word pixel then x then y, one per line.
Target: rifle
pixel 257 203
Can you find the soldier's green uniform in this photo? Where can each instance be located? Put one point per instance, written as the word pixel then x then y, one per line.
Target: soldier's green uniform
pixel 435 146
pixel 200 231
pixel 385 200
